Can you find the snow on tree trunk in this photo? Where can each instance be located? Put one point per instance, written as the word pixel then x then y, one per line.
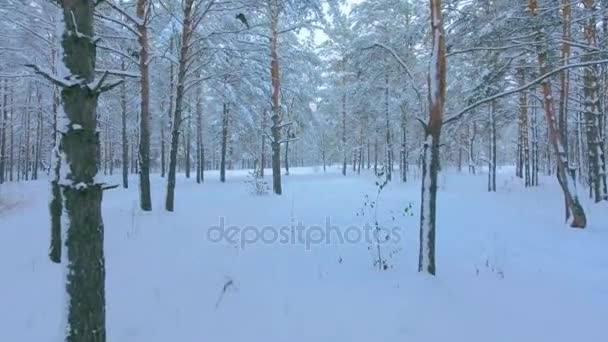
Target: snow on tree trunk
pixel 344 133
pixel 3 131
pixel 145 201
pixel 593 110
pixel 566 180
pixel 263 145
pixel 492 150
pixel 403 164
pixel 200 156
pixel 125 139
pixel 430 153
pixel 187 141
pixel 523 140
pixel 472 132
pixel 82 231
pixel 389 147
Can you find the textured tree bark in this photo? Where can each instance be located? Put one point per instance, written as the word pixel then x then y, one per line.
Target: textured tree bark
pixel 567 182
pixel 83 231
pixel 375 154
pixel 56 202
pixel 344 134
pixel 565 83
pixel 492 150
pixel 187 144
pixel 360 150
pixel 125 139
pixel 287 156
pixel 430 160
pixel 11 153
pixel 3 132
pixel 224 147
pixel 593 111
pixel 472 132
pixel 403 165
pixel 26 147
pixel 200 155
pixel 169 113
pixel 179 98
pixel 263 147
pixel 389 147
pixel 145 200
pixel 533 123
pixel 39 135
pixel 275 75
pixel 523 140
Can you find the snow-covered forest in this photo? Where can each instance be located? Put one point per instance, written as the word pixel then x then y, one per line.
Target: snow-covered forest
pixel 303 170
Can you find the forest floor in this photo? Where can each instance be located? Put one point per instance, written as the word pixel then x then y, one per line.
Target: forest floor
pixel 508 267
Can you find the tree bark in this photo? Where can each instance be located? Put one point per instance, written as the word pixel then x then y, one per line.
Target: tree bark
pixel 344 133
pixel 79 147
pixel 492 150
pixel 565 83
pixel 200 155
pixel 263 144
pixel 593 111
pixel 275 99
pixel 144 116
pixel 3 132
pixel 430 160
pixel 11 154
pixel 125 139
pixel 179 98
pixel 566 180
pixel 389 147
pixel 224 147
pixel 523 140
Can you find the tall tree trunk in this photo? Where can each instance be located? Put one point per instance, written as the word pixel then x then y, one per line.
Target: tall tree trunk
pixel 375 154
pixel 523 140
pixel 566 180
pixel 344 133
pixel 593 110
pixel 565 83
pixel 275 75
pixel 11 153
pixel 287 155
pixel 492 150
pixel 472 134
pixel 188 143
pixel 179 99
pixel 360 150
pixel 125 139
pixel 263 147
pixel 224 147
pixel 430 160
pixel 56 202
pixel 145 200
pixel 39 133
pixel 534 124
pixel 389 147
pixel 169 113
pixel 83 231
pixel 3 131
pixel 26 147
pixel 403 166
pixel 200 155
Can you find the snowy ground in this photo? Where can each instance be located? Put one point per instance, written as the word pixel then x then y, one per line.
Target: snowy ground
pixel 508 268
